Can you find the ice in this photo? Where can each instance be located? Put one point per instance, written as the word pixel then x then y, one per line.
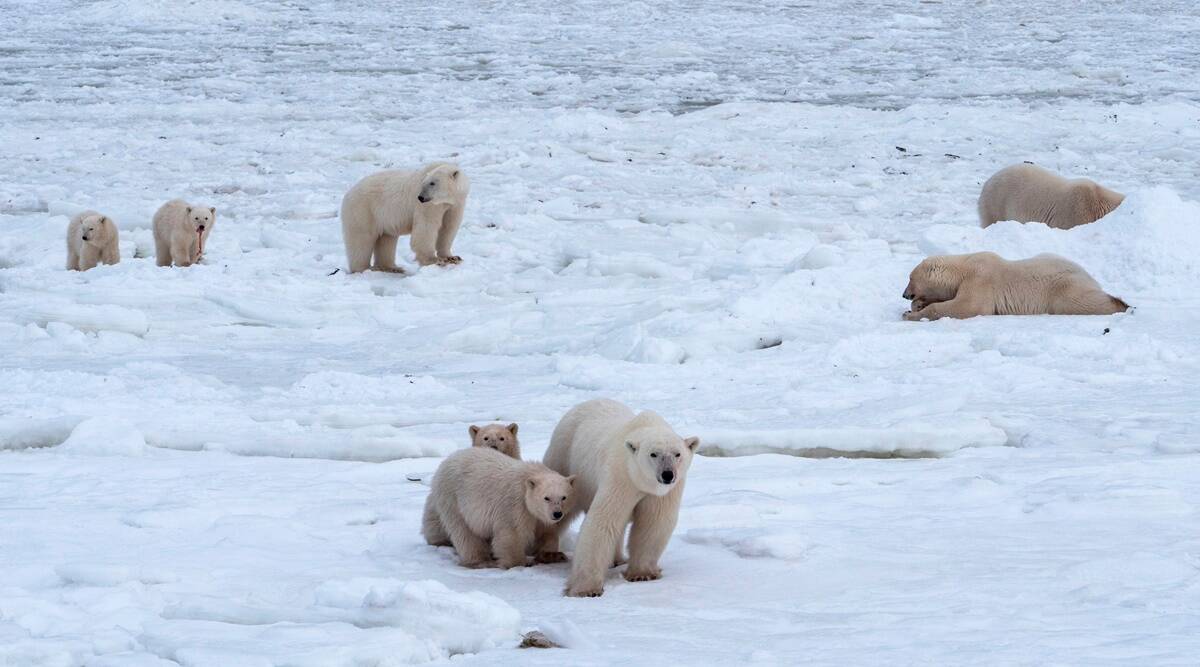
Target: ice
pixel 705 209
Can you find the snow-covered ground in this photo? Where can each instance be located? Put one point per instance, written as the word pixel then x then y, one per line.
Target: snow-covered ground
pixel 705 208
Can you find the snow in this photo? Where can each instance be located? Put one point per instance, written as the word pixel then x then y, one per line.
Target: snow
pixel 706 209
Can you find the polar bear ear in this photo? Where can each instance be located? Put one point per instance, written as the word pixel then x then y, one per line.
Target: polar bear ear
pixel 189 210
pixel 632 447
pixel 103 219
pixel 213 210
pixel 455 174
pixel 473 430
pixel 512 428
pixel 571 480
pixel 532 483
pixel 692 442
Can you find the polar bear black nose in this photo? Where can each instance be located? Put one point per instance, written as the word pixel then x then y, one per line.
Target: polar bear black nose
pixel 557 516
pixel 908 294
pixel 667 476
pixel 422 198
pixel 200 228
pixel 85 237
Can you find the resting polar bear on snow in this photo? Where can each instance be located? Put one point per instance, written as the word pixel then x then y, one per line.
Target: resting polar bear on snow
pixel 483 503
pixel 984 283
pixel 92 238
pixel 629 468
pixel 427 204
pixel 1028 193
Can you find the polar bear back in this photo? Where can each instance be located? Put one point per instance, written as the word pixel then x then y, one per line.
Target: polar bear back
pixel 584 444
pixel 1028 193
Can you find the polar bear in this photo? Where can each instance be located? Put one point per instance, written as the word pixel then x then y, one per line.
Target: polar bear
pixel 1028 193
pixel 92 238
pixel 498 437
pixel 479 495
pixel 180 232
pixel 629 468
pixel 427 204
pixel 984 283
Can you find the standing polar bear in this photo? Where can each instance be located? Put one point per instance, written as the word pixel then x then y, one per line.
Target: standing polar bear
pixel 984 283
pixel 427 204
pixel 1028 193
pixel 180 232
pixel 92 238
pixel 485 503
pixel 629 468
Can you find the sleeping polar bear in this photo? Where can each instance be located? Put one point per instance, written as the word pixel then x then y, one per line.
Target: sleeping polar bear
pixel 1028 193
pixel 984 283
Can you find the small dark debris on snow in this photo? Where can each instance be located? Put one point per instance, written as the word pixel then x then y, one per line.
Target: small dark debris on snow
pixel 1106 330
pixel 902 149
pixel 952 156
pixel 334 272
pixel 536 639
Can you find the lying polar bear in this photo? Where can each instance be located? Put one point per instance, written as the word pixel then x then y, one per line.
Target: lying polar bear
pixel 984 283
pixel 1028 193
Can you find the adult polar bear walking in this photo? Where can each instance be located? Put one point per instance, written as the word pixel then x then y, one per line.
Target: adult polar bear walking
pixel 629 468
pixel 427 204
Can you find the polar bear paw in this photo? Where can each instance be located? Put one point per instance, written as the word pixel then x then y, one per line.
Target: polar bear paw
pixel 649 574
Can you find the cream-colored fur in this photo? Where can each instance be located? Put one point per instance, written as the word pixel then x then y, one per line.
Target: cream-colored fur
pixel 630 469
pixel 498 437
pixel 1028 193
pixel 480 496
pixel 984 283
pixel 181 232
pixel 427 204
pixel 92 238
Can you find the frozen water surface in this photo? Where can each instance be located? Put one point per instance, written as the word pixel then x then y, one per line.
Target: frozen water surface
pixel 704 208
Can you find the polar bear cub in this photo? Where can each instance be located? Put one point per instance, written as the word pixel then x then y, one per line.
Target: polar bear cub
pixel 498 437
pixel 984 283
pixel 629 469
pixel 1028 193
pixel 181 231
pixel 92 238
pixel 427 204
pixel 483 503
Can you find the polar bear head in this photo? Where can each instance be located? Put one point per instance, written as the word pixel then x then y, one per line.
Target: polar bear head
pixel 549 495
pixel 97 230
pixel 498 437
pixel 200 218
pixel 443 184
pixel 657 459
pixel 936 279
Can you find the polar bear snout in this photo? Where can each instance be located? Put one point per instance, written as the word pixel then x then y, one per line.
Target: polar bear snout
pixel 423 199
pixel 908 291
pixel 557 515
pixel 666 476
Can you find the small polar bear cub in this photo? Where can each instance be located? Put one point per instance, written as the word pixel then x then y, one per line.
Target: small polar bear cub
pixel 498 437
pixel 984 283
pixel 1028 193
pixel 629 469
pixel 484 503
pixel 427 204
pixel 181 231
pixel 92 238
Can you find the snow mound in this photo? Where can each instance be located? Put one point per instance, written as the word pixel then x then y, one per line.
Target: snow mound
pixel 1150 243
pixel 923 440
pixel 105 436
pixel 349 622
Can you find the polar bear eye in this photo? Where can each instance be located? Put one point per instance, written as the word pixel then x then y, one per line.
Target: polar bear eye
pixel 676 454
pixel 547 498
pixel 563 498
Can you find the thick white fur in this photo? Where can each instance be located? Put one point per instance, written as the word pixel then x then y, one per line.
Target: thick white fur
pixel 984 283
pixel 92 238
pixel 427 204
pixel 619 459
pixel 498 437
pixel 480 496
pixel 181 232
pixel 1028 193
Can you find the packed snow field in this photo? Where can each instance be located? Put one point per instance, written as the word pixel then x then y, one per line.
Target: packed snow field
pixel 708 209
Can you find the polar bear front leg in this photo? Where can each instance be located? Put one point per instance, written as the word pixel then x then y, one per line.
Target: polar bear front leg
pixel 112 253
pixel 72 258
pixel 598 538
pixel 509 546
pixel 446 234
pixel 546 549
pixel 385 254
pixel 427 220
pixel 89 257
pixel 653 522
